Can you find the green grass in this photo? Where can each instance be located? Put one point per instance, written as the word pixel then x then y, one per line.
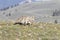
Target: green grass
pixel 39 31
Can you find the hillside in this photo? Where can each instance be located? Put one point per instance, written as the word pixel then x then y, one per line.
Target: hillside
pixel 37 31
pixel 43 11
pixel 47 28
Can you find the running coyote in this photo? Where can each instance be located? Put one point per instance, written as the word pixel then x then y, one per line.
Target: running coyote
pixel 25 20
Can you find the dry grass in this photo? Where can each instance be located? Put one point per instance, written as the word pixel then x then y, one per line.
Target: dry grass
pixel 40 31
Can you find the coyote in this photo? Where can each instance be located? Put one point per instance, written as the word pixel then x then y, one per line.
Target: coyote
pixel 25 20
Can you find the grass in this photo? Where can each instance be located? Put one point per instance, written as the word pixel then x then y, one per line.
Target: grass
pixel 39 31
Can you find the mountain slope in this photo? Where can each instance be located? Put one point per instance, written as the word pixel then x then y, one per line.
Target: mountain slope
pixel 8 3
pixel 42 10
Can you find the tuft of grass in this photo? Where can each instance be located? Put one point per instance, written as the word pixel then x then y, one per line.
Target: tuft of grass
pixel 37 31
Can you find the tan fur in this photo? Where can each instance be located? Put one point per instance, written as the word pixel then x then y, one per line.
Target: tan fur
pixel 25 20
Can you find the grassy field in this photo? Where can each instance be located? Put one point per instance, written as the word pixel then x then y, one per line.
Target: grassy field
pixel 37 31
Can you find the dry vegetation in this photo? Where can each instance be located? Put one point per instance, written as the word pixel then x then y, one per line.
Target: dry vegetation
pixel 37 31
